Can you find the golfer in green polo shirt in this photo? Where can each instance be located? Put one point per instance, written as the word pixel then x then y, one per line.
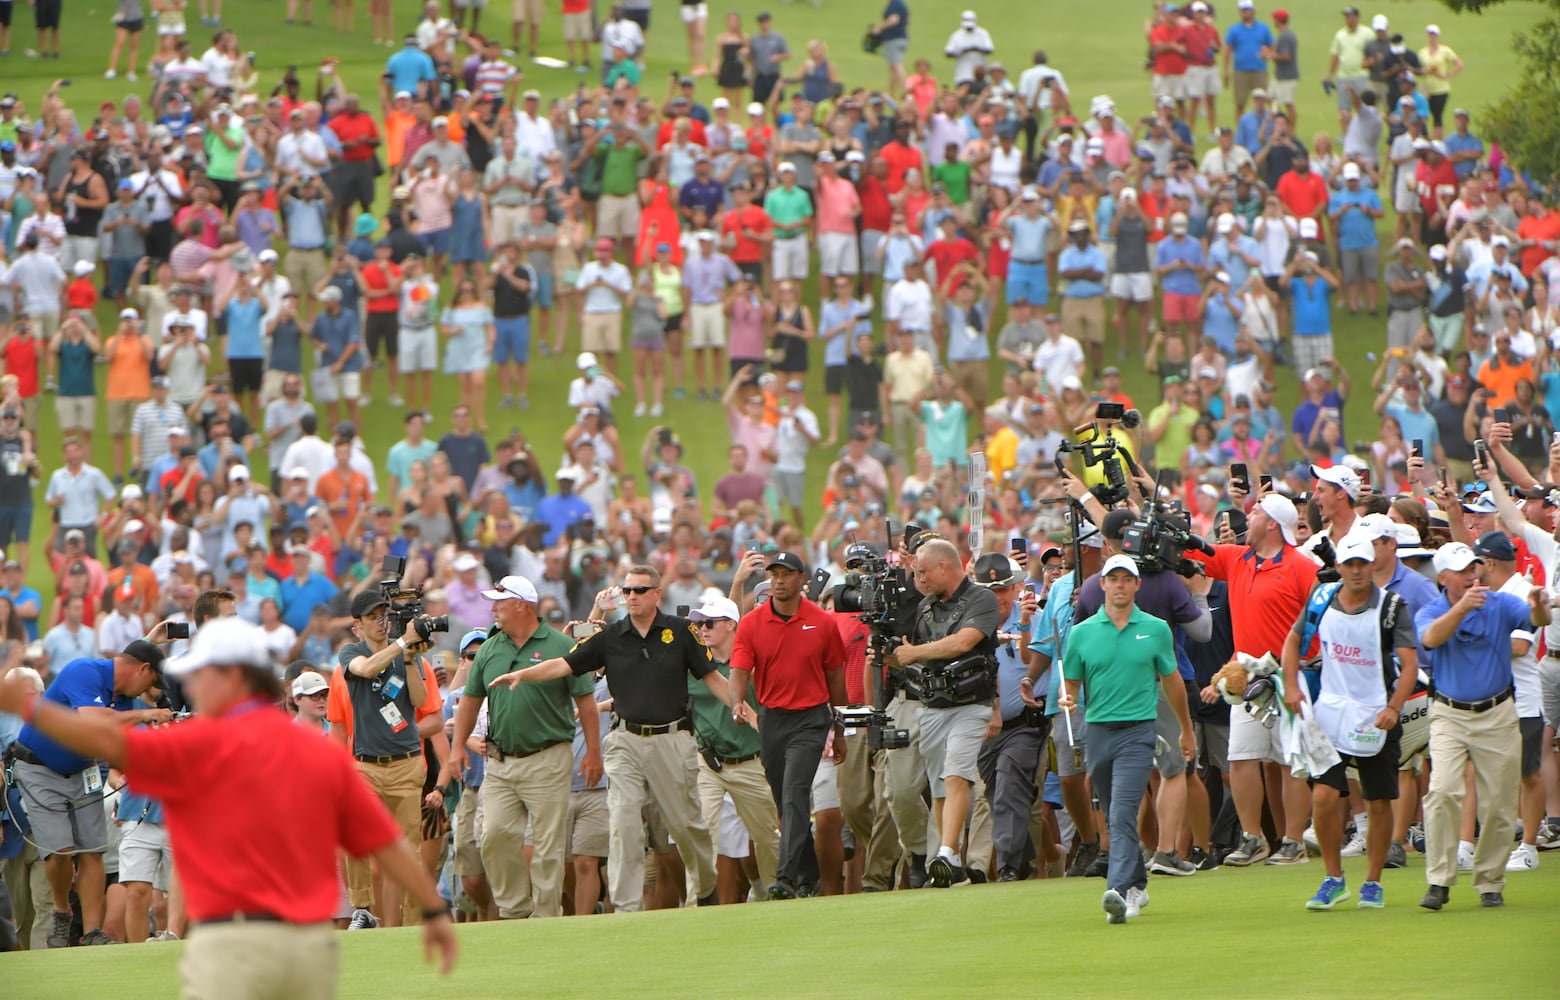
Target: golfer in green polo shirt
pixel 1120 654
pixel 790 208
pixel 530 733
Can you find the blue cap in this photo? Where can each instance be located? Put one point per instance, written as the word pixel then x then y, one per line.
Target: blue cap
pixel 475 635
pixel 125 184
pixel 7 146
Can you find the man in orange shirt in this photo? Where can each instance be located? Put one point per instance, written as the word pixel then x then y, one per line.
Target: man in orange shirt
pixel 1304 193
pixel 343 488
pixel 1538 234
pixel 399 119
pixel 129 356
pixel 140 576
pixel 901 156
pixel 1500 374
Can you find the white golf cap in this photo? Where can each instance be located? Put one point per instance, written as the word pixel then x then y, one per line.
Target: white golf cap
pixel 267 256
pixel 705 236
pixel 1283 513
pixel 512 588
pixel 716 608
pixel 82 268
pixel 1378 23
pixel 968 16
pixel 1344 478
pixel 755 108
pixel 1351 171
pixel 569 472
pixel 465 562
pixel 1409 544
pixel 239 472
pixel 298 472
pixel 1454 556
pixel 132 491
pixel 1116 562
pixel 786 167
pixel 1308 229
pixel 1245 5
pixel 308 683
pixel 134 526
pixel 1225 223
pixel 585 360
pixel 1374 526
pixel 222 642
pixel 1438 252
pixel 1432 29
pixel 1354 547
pixel 720 103
pixel 129 314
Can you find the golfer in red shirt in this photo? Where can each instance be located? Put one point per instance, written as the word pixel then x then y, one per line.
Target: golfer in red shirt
pixel 256 809
pixel 791 649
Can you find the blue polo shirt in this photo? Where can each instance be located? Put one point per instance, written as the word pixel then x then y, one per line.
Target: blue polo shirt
pixel 1029 236
pixel 1417 592
pixel 26 593
pixel 1010 668
pixel 299 599
pixel 1475 663
pixel 1456 143
pixel 1416 424
pixel 82 683
pixel 334 334
pixel 408 68
pixel 1048 635
pixel 1313 306
pixel 1248 131
pixel 1172 250
pixel 1090 258
pixel 1356 230
pixel 1246 42
pixel 1221 325
pixel 560 512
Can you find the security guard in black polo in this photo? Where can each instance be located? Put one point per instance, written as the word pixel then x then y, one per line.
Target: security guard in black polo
pixel 648 657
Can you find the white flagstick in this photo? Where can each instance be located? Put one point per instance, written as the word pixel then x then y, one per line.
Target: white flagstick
pixel 1067 717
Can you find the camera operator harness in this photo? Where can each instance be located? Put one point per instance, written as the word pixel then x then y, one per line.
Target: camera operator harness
pixel 969 680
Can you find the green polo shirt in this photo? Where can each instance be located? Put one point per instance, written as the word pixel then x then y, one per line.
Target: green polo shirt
pixel 532 716
pixel 1120 668
pixel 789 210
pixel 619 167
pixel 712 722
pixel 955 177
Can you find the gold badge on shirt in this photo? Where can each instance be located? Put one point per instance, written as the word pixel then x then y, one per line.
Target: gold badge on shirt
pixel 693 630
pixel 666 636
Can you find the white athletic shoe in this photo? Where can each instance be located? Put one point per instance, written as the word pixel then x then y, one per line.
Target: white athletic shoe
pixel 1312 845
pixel 1115 907
pixel 1523 859
pixel 1464 859
pixel 1355 848
pixel 1137 899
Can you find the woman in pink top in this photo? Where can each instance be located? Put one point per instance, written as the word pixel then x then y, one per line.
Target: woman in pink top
pixel 745 329
pixel 744 403
pixel 432 198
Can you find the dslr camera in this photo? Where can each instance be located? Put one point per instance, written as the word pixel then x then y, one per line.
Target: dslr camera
pixel 406 605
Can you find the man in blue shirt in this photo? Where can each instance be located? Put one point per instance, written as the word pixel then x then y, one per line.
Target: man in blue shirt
pixel 1082 265
pixel 1466 634
pixel 1310 287
pixel 1179 261
pixel 1247 44
pixel 562 510
pixel 26 603
pixel 305 589
pixel 893 34
pixel 1221 315
pixel 1354 211
pixel 1253 127
pixel 63 791
pixel 1030 227
pixel 145 858
pixel 338 375
pixel 1321 400
pixel 214 454
pixel 1463 148
pixel 411 70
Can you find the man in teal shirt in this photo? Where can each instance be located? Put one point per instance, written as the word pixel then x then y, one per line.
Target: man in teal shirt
pixel 790 209
pixel 413 448
pixel 1121 654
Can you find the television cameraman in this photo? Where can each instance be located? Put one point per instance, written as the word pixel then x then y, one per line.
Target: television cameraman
pixel 950 663
pixel 384 698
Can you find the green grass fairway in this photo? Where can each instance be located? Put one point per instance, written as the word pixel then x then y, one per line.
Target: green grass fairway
pixel 1196 939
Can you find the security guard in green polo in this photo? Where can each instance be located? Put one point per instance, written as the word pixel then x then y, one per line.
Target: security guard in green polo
pixel 647 657
pixel 729 752
pixel 530 754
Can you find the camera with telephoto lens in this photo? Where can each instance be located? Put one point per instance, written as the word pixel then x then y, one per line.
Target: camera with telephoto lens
pixel 406 605
pixel 1159 540
pixel 879 726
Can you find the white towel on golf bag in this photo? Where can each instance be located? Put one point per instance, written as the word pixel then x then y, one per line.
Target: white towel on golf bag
pixel 1307 750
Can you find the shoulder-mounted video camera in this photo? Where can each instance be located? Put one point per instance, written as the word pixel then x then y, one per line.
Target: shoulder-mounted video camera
pixel 406 605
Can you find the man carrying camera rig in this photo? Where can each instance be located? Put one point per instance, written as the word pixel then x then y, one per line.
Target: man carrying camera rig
pixel 951 667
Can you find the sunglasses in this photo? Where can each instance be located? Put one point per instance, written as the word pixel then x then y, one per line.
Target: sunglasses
pixel 708 624
pixel 638 590
pixel 468 656
pixel 321 695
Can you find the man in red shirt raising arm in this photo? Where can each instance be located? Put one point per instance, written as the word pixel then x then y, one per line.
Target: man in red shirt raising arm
pixel 256 808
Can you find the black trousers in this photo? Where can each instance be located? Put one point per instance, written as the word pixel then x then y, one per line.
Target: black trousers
pixel 791 747
pixel 1009 764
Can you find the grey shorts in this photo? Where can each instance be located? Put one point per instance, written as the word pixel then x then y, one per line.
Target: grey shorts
pixel 894 51
pixel 1213 745
pixel 950 742
pixel 1072 757
pixel 1549 689
pixel 587 823
pixel 1167 742
pixel 65 817
pixel 145 856
pixel 1360 265
pixel 790 487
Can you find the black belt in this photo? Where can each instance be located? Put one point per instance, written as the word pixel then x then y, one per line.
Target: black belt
pixel 1473 706
pixel 387 758
pixel 1027 263
pixel 737 760
pixel 641 729
pixel 1029 718
pixel 25 755
pixel 1553 654
pixel 497 753
pixel 244 918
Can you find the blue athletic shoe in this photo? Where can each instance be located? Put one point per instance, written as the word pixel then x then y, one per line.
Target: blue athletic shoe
pixel 1332 892
pixel 1371 896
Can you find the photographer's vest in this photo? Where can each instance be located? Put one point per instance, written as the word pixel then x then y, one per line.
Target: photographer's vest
pixel 969 680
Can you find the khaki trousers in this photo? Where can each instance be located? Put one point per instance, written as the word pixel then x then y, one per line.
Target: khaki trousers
pixel 506 222
pixel 666 768
pixel 514 790
pixel 749 791
pixel 32 898
pixel 1493 742
pixel 260 961
pixel 905 782
pixel 865 807
pixel 399 787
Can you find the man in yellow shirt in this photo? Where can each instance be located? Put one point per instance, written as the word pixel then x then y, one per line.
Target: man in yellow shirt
pixel 1346 70
pixel 1001 442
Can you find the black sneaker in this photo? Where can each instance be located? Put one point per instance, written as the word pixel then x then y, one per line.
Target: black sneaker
pixel 96 935
pixel 1435 897
pixel 1491 900
pixel 1170 863
pixel 1099 867
pixel 59 930
pixel 781 889
pixel 1202 860
pixel 942 871
pixel 918 878
pixel 1007 875
pixel 1397 856
pixel 806 890
pixel 1085 857
pixel 975 875
pixel 712 899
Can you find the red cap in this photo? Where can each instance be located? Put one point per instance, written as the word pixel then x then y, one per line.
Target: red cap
pixel 1280 14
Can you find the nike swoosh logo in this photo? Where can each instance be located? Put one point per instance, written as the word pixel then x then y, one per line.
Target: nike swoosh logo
pixel 1144 637
pixel 808 628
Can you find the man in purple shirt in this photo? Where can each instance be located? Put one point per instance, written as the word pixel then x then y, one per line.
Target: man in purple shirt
pixel 706 277
pixel 468 607
pixel 703 191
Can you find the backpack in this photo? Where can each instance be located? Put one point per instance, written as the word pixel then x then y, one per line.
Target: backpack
pixel 1316 606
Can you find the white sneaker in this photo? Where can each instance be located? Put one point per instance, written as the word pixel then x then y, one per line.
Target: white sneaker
pixel 110 75
pixel 396 401
pixel 1137 899
pixel 132 78
pixel 1523 859
pixel 639 409
pixel 1464 859
pixel 1355 848
pixel 1312 845
pixel 1115 907
pixel 655 409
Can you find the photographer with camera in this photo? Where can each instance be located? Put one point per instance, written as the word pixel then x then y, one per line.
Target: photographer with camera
pixel 950 666
pixel 1163 594
pixel 384 689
